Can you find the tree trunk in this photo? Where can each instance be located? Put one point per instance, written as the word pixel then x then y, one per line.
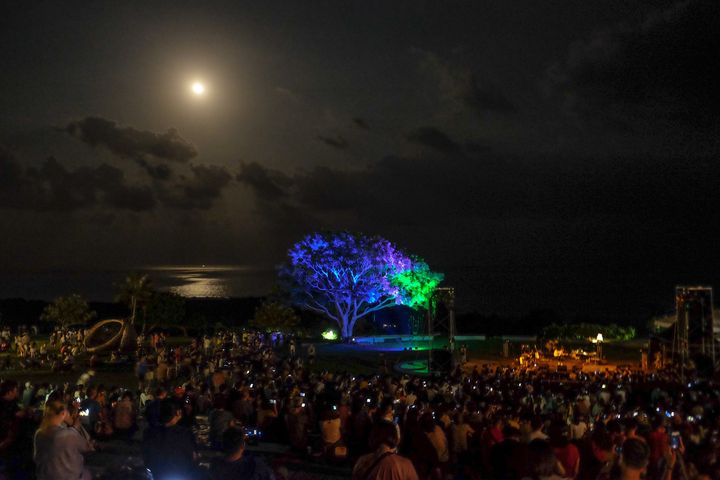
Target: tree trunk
pixel 346 330
pixel 128 341
pixel 133 307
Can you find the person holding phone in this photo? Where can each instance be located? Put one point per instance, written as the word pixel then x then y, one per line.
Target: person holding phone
pixel 657 440
pixel 58 450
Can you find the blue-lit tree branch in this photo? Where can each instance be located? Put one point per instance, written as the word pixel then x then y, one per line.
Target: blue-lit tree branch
pixel 346 276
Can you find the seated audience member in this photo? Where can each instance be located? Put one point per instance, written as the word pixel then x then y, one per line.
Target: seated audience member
pixel 237 464
pixel 384 463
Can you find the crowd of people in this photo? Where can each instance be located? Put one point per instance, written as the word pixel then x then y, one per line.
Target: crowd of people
pixel 57 353
pixel 197 408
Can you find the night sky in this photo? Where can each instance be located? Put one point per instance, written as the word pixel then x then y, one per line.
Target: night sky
pixel 542 154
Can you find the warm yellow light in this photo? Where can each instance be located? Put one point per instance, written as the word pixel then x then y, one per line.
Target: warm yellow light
pixel 198 88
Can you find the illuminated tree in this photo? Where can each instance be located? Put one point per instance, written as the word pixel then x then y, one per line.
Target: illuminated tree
pixel 346 276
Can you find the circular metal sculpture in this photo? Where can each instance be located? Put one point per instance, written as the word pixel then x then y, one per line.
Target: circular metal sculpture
pixel 110 335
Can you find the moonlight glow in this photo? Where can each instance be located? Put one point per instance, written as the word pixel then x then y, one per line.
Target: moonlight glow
pixel 198 88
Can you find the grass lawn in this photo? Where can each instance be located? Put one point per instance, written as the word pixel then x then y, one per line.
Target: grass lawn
pixel 122 375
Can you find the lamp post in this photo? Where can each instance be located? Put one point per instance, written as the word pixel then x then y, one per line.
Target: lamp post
pixel 598 345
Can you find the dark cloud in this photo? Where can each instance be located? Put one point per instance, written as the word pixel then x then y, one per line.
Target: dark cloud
pixel 653 194
pixel 336 142
pixel 268 184
pixel 53 187
pixel 199 190
pixel 461 84
pixel 433 138
pixel 196 188
pixel 132 143
pixel 662 69
pixel 483 97
pixel 327 189
pixel 361 123
pixel 161 171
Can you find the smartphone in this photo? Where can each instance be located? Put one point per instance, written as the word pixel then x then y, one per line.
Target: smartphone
pixel 675 440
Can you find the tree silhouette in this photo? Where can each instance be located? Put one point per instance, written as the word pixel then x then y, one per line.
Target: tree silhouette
pixel 135 291
pixel 346 276
pixel 166 309
pixel 68 310
pixel 275 316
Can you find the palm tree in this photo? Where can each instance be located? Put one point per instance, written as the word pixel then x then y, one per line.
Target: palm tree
pixel 135 291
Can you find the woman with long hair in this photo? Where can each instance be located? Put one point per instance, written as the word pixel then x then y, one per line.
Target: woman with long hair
pixel 58 450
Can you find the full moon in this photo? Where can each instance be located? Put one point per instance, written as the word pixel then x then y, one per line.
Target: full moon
pixel 198 88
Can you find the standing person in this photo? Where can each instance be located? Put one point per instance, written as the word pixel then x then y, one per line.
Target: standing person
pixel 58 450
pixel 460 431
pixel 578 428
pixel 567 454
pixel 10 418
pixel 238 464
pixel 633 463
pixel 73 421
pixel 152 408
pixel 384 463
pixel 542 462
pixel 169 450
pixel 220 420
pixel 430 452
pixel 509 457
pixel 141 369
pixel 311 354
pixel 297 423
pixel 124 417
pixel 658 440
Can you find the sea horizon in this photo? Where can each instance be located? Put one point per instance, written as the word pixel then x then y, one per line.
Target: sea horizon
pixel 201 281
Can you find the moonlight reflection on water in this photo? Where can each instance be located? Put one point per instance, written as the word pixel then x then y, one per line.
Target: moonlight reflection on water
pixel 215 281
pixel 202 281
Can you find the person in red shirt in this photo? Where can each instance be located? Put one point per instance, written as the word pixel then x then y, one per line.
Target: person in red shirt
pixel 657 440
pixel 567 453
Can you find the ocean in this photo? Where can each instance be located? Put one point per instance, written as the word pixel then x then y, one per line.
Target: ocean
pixel 621 299
pixel 217 281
